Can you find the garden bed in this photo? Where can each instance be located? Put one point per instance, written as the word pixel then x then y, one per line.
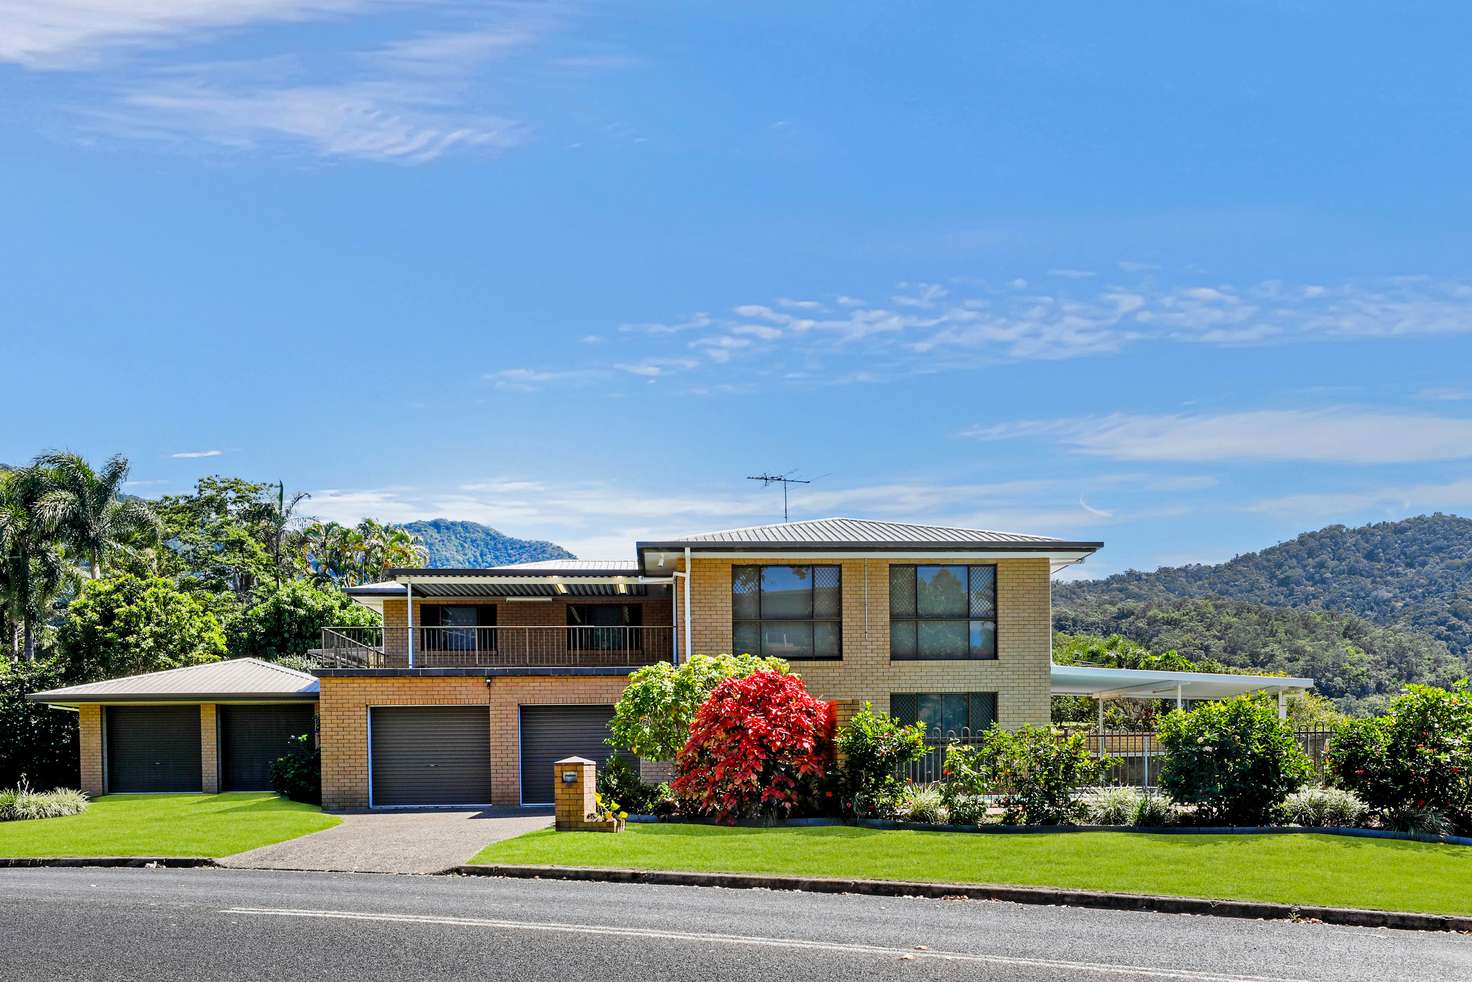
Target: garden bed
pixel 1450 840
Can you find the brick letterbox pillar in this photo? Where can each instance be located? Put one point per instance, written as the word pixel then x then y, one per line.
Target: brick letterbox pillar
pixel 575 780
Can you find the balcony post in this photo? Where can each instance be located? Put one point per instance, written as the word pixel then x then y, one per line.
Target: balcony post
pixel 409 603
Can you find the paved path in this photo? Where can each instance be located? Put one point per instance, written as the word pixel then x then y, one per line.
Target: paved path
pixel 213 924
pixel 426 841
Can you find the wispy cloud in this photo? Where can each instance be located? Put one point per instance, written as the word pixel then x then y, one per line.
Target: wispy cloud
pixel 1393 500
pixel 927 327
pixel 1331 435
pixel 409 99
pixel 73 34
pixel 196 454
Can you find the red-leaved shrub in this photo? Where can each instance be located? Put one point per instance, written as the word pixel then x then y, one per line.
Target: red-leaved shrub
pixel 759 749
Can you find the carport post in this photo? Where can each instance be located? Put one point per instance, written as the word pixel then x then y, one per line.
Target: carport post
pixel 409 603
pixel 1282 703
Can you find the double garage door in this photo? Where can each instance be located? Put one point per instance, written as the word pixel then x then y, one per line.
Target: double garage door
pixel 158 748
pixel 441 755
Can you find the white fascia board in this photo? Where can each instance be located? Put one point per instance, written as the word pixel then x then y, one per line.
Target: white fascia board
pixel 536 580
pixel 820 555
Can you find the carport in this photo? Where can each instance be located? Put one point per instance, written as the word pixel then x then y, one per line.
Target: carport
pixel 203 728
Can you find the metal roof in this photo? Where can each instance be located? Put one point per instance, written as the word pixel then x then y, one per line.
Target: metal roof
pixel 1136 683
pixel 856 533
pixel 236 679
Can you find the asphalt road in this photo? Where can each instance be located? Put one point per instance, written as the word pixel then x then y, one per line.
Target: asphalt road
pixel 242 924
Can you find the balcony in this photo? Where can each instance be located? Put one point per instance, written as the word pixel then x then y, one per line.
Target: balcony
pixel 495 647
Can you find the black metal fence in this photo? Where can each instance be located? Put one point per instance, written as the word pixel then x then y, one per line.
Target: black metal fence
pixel 1137 755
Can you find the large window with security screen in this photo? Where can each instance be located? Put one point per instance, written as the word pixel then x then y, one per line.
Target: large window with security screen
pixel 942 612
pixel 791 612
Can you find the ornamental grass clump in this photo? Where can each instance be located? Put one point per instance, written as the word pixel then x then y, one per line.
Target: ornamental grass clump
pixel 20 803
pixel 921 803
pixel 1324 808
pixel 1113 806
pixel 760 748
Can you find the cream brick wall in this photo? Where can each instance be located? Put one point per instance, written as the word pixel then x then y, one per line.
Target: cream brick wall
pixel 1019 675
pixel 209 754
pixel 89 721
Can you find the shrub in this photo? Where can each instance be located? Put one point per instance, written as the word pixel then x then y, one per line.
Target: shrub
pixel 964 809
pixel 1323 808
pixel 21 803
pixel 287 621
pixel 1155 811
pixel 298 775
pixel 759 748
pixel 1416 758
pixel 1419 821
pixel 1035 772
pixel 619 780
pixel 1235 760
pixel 874 746
pixel 1113 806
pixel 921 803
pixel 653 715
pixel 37 743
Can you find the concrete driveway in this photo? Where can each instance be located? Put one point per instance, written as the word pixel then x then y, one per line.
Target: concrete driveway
pixel 417 841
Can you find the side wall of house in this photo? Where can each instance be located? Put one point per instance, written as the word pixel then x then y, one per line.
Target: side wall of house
pixel 1020 675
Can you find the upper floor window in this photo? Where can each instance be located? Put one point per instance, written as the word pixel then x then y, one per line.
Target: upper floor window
pixel 791 612
pixel 942 612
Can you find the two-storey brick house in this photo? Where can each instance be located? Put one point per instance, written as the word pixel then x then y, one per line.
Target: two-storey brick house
pixel 478 679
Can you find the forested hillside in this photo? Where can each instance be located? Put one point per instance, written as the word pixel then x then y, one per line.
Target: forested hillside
pixel 461 545
pixel 1414 574
pixel 1355 662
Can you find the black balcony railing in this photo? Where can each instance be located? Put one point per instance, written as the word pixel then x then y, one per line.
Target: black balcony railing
pixel 496 647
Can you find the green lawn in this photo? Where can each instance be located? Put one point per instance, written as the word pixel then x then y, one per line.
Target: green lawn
pixel 166 825
pixel 1293 869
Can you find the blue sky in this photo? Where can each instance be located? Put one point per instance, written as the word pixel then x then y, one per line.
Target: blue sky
pixel 1187 278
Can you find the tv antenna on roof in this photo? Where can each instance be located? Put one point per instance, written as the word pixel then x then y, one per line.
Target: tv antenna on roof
pixel 770 479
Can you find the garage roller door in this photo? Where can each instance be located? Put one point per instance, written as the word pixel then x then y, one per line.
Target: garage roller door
pixel 550 733
pixel 252 737
pixel 153 748
pixel 430 755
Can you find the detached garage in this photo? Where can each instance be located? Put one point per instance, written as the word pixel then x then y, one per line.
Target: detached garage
pixel 204 728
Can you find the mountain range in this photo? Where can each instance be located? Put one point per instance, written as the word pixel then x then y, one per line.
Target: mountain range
pixel 1363 610
pixel 463 545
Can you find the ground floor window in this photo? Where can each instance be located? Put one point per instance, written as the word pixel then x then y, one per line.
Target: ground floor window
pixel 946 713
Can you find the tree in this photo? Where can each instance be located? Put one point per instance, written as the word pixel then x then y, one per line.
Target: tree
pixel 37 743
pixel 33 566
pixel 288 620
pixel 217 538
pixel 277 516
pixel 350 556
pixel 124 625
pixel 653 715
pixel 88 510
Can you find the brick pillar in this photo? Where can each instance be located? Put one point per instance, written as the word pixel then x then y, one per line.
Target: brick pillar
pixel 209 754
pixel 89 721
pixel 574 782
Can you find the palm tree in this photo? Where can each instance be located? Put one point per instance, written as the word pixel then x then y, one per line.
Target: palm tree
pixel 88 509
pixel 34 567
pixel 277 516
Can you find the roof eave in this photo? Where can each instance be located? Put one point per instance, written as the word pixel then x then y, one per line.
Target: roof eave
pixel 75 699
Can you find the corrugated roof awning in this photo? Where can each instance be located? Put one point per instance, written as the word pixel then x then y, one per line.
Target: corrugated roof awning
pixel 1134 683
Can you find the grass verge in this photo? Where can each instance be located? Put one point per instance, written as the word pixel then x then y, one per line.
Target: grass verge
pixel 210 825
pixel 1321 870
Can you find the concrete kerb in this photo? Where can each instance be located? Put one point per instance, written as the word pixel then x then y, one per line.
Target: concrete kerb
pixel 130 862
pixel 1348 916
